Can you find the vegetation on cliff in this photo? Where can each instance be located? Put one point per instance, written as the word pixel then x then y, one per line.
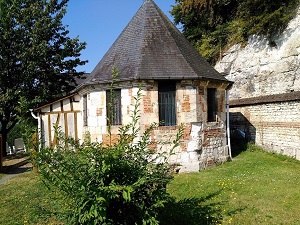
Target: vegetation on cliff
pixel 212 26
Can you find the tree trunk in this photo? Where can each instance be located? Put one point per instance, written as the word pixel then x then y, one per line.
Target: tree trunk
pixel 5 129
pixel 3 143
pixel 2 147
pixel 1 158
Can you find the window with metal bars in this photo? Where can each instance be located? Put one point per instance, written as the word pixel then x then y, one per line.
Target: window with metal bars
pixel 84 111
pixel 167 103
pixel 212 105
pixel 114 107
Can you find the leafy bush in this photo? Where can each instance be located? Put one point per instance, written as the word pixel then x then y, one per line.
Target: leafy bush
pixel 124 183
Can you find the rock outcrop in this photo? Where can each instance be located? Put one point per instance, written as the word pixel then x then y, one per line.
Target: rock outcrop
pixel 265 98
pixel 264 67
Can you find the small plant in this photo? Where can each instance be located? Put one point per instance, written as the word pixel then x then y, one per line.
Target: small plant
pixel 114 184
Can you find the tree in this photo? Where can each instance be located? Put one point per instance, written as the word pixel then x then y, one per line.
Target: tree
pixel 37 58
pixel 212 26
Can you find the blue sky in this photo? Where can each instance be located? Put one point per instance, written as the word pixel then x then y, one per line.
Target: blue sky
pixel 100 22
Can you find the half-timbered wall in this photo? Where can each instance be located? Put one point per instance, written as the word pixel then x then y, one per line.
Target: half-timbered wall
pixel 62 114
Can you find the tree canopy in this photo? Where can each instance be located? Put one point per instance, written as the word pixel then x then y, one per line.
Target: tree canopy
pixel 38 59
pixel 213 25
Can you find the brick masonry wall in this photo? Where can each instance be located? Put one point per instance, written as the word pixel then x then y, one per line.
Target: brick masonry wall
pixel 96 112
pixel 273 126
pixel 203 144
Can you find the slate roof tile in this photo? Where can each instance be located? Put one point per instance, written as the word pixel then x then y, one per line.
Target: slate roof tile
pixel 151 47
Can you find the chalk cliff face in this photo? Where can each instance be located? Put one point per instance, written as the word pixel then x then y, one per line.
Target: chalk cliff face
pixel 262 69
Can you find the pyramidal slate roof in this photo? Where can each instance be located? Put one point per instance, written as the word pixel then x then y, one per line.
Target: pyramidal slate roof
pixel 152 48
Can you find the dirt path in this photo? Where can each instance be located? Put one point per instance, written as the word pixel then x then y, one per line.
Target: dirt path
pixel 15 165
pixel 16 171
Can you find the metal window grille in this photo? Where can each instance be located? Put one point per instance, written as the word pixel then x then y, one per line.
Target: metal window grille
pixel 114 107
pixel 167 103
pixel 85 116
pixel 212 105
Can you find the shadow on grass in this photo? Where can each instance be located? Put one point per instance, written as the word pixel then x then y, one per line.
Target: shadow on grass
pixel 194 211
pixel 12 163
pixel 238 146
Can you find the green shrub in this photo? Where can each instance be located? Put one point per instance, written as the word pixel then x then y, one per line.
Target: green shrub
pixel 123 183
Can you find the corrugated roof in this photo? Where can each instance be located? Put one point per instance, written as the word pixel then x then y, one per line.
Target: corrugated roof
pixel 151 47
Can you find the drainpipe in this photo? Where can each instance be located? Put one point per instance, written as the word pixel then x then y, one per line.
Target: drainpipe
pixel 227 121
pixel 39 127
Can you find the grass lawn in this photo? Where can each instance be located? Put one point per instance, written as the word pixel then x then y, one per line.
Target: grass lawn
pixel 25 200
pixel 255 188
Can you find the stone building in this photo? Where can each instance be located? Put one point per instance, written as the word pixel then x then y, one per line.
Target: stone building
pixel 265 97
pixel 177 85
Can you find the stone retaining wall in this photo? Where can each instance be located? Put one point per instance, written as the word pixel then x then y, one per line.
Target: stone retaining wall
pixel 273 126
